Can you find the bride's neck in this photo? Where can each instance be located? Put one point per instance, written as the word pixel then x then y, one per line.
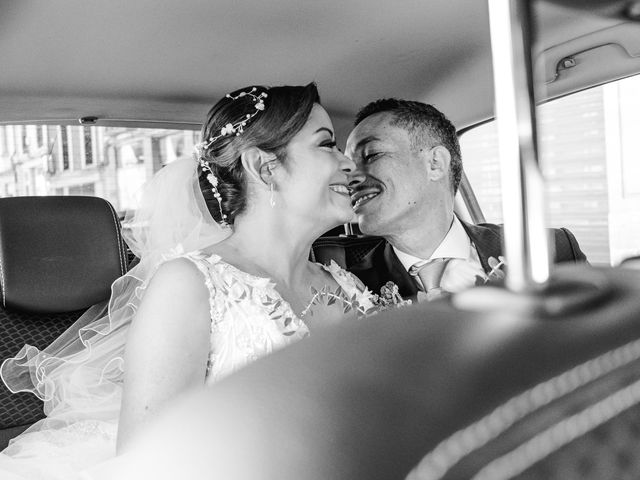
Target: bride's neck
pixel 276 246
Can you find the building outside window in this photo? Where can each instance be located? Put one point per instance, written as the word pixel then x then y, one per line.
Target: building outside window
pixel 64 148
pixel 589 155
pixel 88 145
pixel 121 160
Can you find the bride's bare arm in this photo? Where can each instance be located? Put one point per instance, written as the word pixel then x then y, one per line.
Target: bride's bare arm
pixel 167 345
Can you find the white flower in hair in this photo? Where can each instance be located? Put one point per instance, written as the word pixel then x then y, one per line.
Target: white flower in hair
pixel 213 180
pixel 238 127
pixel 228 129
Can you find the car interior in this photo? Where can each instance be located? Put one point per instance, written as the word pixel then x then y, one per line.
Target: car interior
pixel 538 378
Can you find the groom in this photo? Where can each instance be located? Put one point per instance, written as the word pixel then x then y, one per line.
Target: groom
pixel 408 168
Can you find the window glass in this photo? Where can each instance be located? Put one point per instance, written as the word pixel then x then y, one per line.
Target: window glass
pixel 88 146
pixel 590 158
pixel 108 162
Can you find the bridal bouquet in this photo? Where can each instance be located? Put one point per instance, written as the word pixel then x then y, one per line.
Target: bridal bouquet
pixel 358 298
pixel 363 302
pixel 389 297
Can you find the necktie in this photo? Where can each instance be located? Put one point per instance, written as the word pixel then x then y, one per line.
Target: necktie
pixel 430 274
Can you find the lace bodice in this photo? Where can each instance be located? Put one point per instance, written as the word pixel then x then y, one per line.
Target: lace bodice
pixel 249 318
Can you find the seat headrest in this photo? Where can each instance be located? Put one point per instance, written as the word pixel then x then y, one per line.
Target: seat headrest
pixel 58 254
pixel 344 250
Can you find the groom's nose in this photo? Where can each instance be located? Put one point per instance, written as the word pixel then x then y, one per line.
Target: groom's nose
pixel 346 164
pixel 356 176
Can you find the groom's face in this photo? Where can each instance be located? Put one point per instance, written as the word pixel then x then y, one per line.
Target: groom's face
pixel 390 191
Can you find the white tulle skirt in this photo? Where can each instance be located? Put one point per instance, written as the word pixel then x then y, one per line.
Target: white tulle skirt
pixel 58 454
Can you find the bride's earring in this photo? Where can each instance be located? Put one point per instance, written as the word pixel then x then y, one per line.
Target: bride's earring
pixel 272 200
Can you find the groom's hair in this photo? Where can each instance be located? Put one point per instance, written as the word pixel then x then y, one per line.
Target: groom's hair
pixel 426 125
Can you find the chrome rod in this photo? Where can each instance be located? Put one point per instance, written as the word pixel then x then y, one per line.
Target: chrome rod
pixel 470 200
pixel 523 197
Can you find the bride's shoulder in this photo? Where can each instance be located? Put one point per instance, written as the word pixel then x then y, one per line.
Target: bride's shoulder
pixel 220 273
pixel 198 267
pixel 182 270
pixel 185 262
pixel 177 283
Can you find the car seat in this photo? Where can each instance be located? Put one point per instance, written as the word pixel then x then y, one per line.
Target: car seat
pixel 58 256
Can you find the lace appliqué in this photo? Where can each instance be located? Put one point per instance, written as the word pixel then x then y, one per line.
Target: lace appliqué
pixel 249 318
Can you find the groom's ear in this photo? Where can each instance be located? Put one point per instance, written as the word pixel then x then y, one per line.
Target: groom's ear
pixel 258 164
pixel 439 162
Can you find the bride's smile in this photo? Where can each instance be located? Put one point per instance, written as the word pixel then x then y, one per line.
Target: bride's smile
pixel 316 185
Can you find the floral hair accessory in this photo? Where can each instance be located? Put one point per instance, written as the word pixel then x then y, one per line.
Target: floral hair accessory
pixel 213 180
pixel 238 127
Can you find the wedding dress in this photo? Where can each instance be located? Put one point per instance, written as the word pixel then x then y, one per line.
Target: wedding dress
pixel 249 319
pixel 79 376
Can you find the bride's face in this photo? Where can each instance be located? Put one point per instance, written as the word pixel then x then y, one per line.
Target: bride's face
pixel 315 185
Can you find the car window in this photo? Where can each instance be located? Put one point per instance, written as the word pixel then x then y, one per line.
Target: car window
pixel 108 162
pixel 590 158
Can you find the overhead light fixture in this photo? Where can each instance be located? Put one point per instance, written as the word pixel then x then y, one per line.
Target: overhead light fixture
pixel 88 120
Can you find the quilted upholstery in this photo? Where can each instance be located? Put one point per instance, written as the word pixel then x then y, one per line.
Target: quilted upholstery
pixel 18 329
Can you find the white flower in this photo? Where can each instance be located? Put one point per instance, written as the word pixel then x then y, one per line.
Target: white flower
pixel 260 106
pixel 173 252
pixel 228 129
pixel 496 272
pixel 199 148
pixel 213 180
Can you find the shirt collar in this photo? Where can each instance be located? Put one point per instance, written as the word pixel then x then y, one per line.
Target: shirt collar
pixel 455 244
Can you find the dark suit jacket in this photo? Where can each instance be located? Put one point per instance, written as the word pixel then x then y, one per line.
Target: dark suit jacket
pixel 381 264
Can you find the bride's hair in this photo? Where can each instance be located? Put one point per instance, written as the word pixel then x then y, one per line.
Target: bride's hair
pixel 286 110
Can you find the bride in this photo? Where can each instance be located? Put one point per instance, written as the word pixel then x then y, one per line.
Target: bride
pixel 208 296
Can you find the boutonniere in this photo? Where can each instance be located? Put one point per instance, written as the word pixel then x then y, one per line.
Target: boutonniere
pixel 496 274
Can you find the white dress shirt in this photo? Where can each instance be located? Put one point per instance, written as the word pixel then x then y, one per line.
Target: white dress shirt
pixel 462 270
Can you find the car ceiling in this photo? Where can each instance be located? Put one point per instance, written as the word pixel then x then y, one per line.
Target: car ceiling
pixel 165 63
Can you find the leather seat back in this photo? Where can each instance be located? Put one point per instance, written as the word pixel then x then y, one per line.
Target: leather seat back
pixel 344 250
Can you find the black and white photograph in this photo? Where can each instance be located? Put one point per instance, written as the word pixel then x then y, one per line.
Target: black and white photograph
pixel 320 240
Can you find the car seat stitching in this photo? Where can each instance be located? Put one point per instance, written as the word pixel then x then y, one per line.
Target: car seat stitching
pixel 560 434
pixel 451 450
pixel 2 284
pixel 119 237
pixel 566 234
